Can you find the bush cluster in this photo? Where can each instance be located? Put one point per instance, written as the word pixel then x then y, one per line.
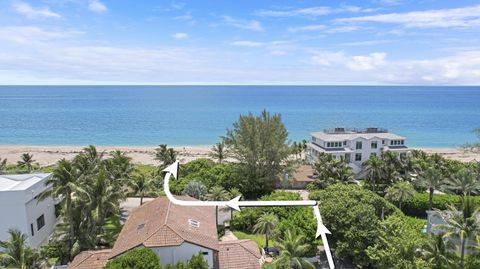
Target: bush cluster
pixel 418 205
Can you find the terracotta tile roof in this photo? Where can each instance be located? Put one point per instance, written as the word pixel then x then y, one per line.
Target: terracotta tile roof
pixel 90 259
pixel 160 223
pixel 239 254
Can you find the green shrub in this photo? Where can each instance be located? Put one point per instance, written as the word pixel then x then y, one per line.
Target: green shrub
pixel 399 239
pixel 418 205
pixel 197 262
pixel 140 258
pixel 353 215
pixel 296 219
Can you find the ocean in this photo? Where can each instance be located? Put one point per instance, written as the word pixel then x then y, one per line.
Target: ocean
pixel 199 115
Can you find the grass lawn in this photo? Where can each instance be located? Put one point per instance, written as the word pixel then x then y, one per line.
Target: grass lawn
pixel 258 238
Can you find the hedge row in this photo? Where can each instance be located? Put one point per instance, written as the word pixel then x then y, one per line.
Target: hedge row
pixel 418 205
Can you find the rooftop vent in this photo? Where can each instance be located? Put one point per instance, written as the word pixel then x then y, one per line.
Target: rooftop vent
pixel 140 226
pixel 194 223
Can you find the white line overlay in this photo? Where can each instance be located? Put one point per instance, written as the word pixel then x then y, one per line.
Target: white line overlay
pixel 235 204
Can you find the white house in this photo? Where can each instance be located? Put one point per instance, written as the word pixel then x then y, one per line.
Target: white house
pixel 21 209
pixel 354 145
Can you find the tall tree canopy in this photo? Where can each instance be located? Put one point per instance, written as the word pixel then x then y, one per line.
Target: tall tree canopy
pixel 260 144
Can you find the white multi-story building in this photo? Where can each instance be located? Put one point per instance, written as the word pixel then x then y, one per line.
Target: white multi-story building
pixel 354 145
pixel 20 207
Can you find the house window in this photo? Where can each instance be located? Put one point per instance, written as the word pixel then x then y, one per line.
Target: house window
pixel 344 143
pixel 401 142
pixel 359 145
pixel 358 157
pixel 31 229
pixel 194 223
pixel 374 145
pixel 40 222
pixel 57 210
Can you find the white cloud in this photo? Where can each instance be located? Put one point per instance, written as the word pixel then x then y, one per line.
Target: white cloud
pixel 30 12
pixel 438 18
pixel 461 68
pixel 305 28
pixel 342 29
pixel 353 63
pixel 247 43
pixel 180 36
pixel 34 55
pixel 311 11
pixel 97 6
pixel 32 34
pixel 365 43
pixel 252 25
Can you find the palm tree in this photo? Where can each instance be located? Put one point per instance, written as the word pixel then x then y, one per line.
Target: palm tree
pixel 234 192
pixel 219 152
pixel 3 165
pixel 165 155
pixel 431 179
pixel 217 193
pixel 196 190
pixel 16 254
pixel 119 167
pixel 464 183
pixel 436 251
pixel 65 184
pixel 265 225
pixel 461 224
pixel 400 192
pixel 374 169
pixel 292 250
pixel 141 185
pixel 26 161
pixel 89 161
pixel 329 171
pixel 104 199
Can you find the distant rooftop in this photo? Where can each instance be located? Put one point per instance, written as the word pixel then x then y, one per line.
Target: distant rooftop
pixel 340 134
pixel 20 182
pixel 341 130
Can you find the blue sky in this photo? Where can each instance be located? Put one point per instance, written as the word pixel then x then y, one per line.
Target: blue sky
pixel 239 42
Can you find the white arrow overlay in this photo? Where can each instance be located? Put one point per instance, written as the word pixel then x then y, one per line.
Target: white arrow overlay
pixel 235 204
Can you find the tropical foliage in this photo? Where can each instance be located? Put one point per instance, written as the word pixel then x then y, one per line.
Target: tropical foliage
pixel 330 170
pixel 260 145
pixel 141 258
pixel 90 188
pixel 14 252
pixel 292 252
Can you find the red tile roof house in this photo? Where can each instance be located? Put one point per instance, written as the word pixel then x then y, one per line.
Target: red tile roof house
pixel 175 233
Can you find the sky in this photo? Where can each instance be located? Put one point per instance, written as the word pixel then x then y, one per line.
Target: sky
pixel 391 42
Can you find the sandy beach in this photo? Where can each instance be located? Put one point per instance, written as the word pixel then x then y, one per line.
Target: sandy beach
pixel 47 155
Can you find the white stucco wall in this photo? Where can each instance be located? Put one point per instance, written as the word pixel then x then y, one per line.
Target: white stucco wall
pixel 19 209
pixel 183 253
pixel 12 213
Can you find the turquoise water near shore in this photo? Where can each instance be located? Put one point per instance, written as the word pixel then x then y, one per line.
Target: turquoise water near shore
pixel 198 115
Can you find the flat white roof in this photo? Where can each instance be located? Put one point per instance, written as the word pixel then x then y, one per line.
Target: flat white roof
pixel 350 136
pixel 20 182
